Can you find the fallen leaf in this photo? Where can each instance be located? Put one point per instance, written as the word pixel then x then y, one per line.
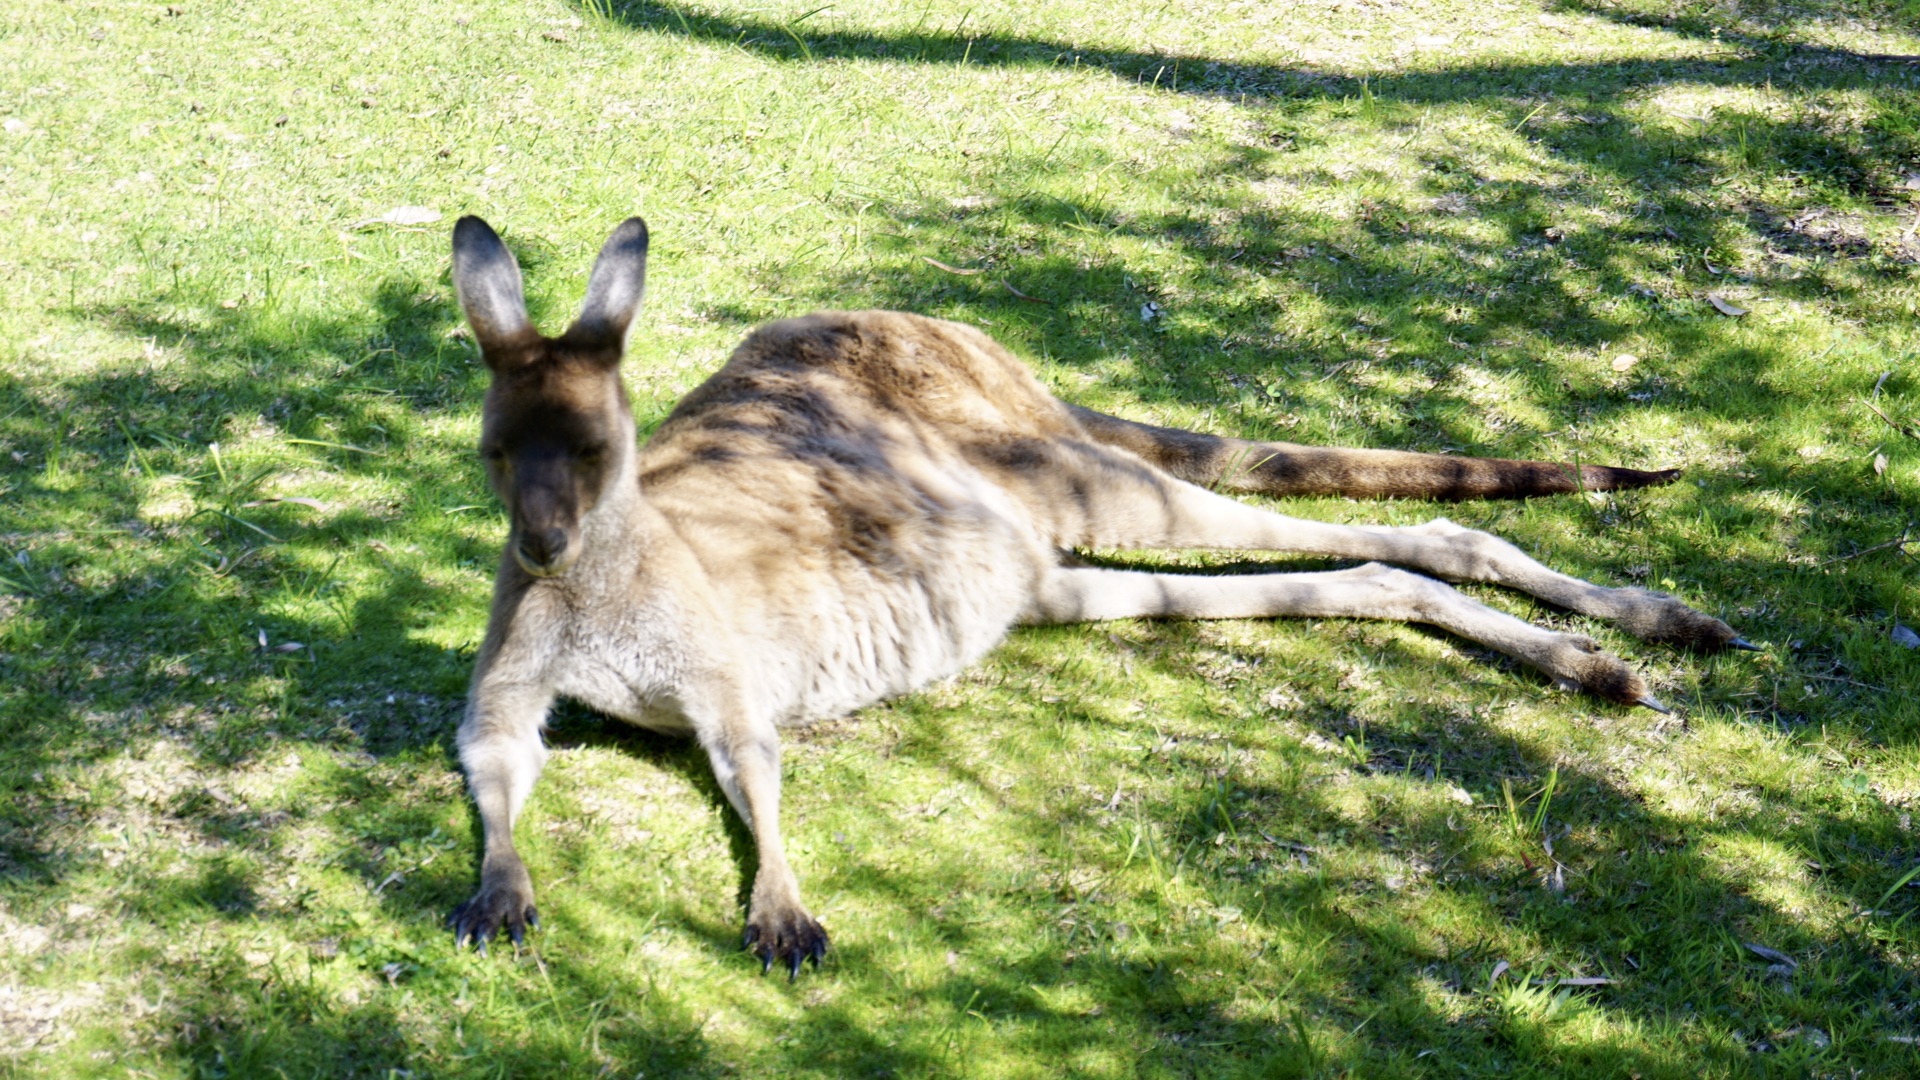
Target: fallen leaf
pixel 402 216
pixel 1625 362
pixel 1879 464
pixel 1774 955
pixel 1150 311
pixel 938 265
pixel 1725 306
pixel 1712 269
pixel 1593 980
pixel 555 35
pixel 1499 969
pixel 1018 295
pixel 411 215
pixel 1904 636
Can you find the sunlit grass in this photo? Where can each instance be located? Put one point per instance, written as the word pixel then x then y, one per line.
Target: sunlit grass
pixel 245 551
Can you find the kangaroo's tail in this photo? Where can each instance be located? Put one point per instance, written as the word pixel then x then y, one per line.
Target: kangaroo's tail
pixel 1277 468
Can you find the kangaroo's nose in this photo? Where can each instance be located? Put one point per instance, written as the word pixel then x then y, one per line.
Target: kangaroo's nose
pixel 543 549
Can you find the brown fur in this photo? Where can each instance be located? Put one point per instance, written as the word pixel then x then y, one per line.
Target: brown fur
pixel 1278 468
pixel 860 502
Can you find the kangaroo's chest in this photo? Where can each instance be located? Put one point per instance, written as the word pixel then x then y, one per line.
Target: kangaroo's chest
pixel 625 662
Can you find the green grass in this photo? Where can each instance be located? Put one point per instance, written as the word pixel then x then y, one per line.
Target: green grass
pixel 234 823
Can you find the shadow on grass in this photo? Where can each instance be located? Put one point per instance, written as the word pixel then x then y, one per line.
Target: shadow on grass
pixel 163 643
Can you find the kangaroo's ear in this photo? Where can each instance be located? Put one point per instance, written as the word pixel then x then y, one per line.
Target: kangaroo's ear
pixel 613 292
pixel 487 279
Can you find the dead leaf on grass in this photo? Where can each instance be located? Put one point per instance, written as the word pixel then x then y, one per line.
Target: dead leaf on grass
pixel 1725 307
pixel 1772 955
pixel 1904 636
pixel 1624 362
pixel 1018 295
pixel 402 216
pixel 938 265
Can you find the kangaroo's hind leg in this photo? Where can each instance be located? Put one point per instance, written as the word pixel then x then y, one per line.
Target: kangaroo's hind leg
pixel 1372 591
pixel 1138 506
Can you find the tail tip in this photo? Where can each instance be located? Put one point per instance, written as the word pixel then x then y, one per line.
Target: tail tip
pixel 1611 478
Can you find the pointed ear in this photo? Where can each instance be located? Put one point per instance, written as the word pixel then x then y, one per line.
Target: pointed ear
pixel 613 292
pixel 487 279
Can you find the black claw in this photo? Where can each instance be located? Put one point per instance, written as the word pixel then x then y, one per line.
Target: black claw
pixel 518 934
pixel 533 918
pixel 793 966
pixel 480 944
pixel 1653 703
pixel 751 935
pixel 766 963
pixel 1744 644
pixel 817 953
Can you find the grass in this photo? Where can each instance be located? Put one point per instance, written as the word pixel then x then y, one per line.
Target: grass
pixel 245 549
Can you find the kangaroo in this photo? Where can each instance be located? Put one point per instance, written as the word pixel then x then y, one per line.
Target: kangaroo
pixel 859 503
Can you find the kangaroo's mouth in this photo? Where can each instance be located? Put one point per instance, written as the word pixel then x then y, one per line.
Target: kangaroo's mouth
pixel 552 569
pixel 538 569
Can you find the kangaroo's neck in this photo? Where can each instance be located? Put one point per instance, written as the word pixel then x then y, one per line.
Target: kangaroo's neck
pixel 616 534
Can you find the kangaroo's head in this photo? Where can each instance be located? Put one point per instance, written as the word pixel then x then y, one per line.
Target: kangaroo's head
pixel 557 433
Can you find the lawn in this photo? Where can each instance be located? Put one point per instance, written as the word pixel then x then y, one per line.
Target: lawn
pixel 246 547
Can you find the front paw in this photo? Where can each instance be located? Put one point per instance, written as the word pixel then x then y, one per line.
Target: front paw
pixel 505 901
pixel 784 934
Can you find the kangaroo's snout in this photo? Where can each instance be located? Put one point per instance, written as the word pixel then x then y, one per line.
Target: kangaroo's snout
pixel 544 553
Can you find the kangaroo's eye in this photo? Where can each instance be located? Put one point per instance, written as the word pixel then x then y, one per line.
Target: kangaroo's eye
pixel 493 454
pixel 591 455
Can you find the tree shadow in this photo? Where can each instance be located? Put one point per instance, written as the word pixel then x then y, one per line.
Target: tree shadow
pixel 368 678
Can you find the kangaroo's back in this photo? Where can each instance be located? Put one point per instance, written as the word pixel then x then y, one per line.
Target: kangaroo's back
pixel 837 375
